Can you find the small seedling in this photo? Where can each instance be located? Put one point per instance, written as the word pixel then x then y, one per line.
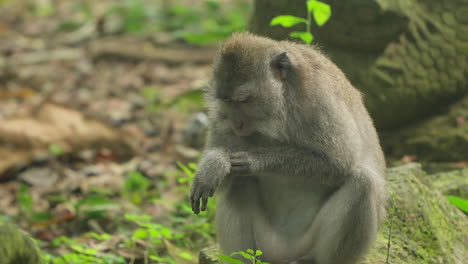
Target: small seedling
pixel 319 10
pixel 56 150
pixel 249 254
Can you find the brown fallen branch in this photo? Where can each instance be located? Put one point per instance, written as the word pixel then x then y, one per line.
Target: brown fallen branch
pixel 116 48
pixel 23 139
pixel 143 51
pixel 42 56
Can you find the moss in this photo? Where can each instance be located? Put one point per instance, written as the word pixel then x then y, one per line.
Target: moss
pixel 424 227
pixel 17 247
pixel 453 182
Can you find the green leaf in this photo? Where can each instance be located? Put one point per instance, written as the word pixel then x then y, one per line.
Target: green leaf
pixel 186 255
pixel 311 4
pixel 320 10
pixel 56 149
pixel 24 197
pixel 136 182
pixel 230 259
pixel 140 234
pixel 186 170
pixel 152 94
pixel 166 233
pixel 462 204
pixel 250 251
pixel 287 21
pixel 243 254
pixel 258 253
pixel 41 217
pixel 305 36
pixel 193 166
pixel 138 218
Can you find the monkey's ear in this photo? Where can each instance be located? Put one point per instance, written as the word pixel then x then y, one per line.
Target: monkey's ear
pixel 281 65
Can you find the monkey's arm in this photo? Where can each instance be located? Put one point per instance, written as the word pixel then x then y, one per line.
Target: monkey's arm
pixel 213 167
pixel 331 168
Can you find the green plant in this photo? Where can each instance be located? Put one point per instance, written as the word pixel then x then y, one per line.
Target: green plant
pixel 189 171
pixel 249 254
pixel 81 254
pixel 95 206
pixel 211 23
pixel 56 150
pixel 133 13
pixel 24 198
pixel 136 187
pixel 152 97
pixel 319 10
pixel 152 233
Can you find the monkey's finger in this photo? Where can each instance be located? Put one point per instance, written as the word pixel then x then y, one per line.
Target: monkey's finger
pixel 195 200
pixel 237 162
pixel 239 169
pixel 212 192
pixel 196 206
pixel 234 155
pixel 237 155
pixel 204 204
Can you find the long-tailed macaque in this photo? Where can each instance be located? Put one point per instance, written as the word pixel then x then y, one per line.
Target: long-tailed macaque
pixel 292 152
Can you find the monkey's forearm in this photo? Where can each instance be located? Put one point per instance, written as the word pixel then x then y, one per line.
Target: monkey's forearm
pixel 215 160
pixel 300 162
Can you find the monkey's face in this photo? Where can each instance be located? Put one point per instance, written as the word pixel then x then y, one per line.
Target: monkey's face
pixel 242 110
pixel 250 96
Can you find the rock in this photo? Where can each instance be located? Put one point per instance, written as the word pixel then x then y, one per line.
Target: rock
pixel 44 177
pixel 195 131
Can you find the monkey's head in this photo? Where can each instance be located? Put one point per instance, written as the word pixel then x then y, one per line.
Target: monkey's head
pixel 249 84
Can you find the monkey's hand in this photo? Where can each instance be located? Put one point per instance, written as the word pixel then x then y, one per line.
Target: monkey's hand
pixel 204 185
pixel 213 167
pixel 242 163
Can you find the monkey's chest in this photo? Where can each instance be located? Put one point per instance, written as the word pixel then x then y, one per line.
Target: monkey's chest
pixel 290 204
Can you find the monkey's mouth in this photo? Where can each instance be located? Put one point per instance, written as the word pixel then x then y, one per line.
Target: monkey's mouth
pixel 243 129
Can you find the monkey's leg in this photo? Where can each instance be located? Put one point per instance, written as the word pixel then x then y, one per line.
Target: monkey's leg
pixel 233 217
pixel 347 223
pixel 303 262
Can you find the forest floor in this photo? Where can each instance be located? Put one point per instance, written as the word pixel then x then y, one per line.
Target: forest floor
pixel 92 124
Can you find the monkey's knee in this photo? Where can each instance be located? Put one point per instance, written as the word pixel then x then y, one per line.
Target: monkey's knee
pixel 347 223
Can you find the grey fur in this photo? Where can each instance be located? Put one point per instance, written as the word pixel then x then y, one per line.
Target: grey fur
pixel 293 153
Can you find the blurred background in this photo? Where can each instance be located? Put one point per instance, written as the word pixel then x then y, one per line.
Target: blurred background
pixel 102 116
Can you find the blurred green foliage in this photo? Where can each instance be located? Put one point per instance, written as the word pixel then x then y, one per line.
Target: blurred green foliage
pixel 196 22
pixel 210 23
pixel 204 23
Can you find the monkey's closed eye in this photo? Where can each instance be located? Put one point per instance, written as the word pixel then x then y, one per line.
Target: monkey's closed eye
pixel 245 100
pixel 226 99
